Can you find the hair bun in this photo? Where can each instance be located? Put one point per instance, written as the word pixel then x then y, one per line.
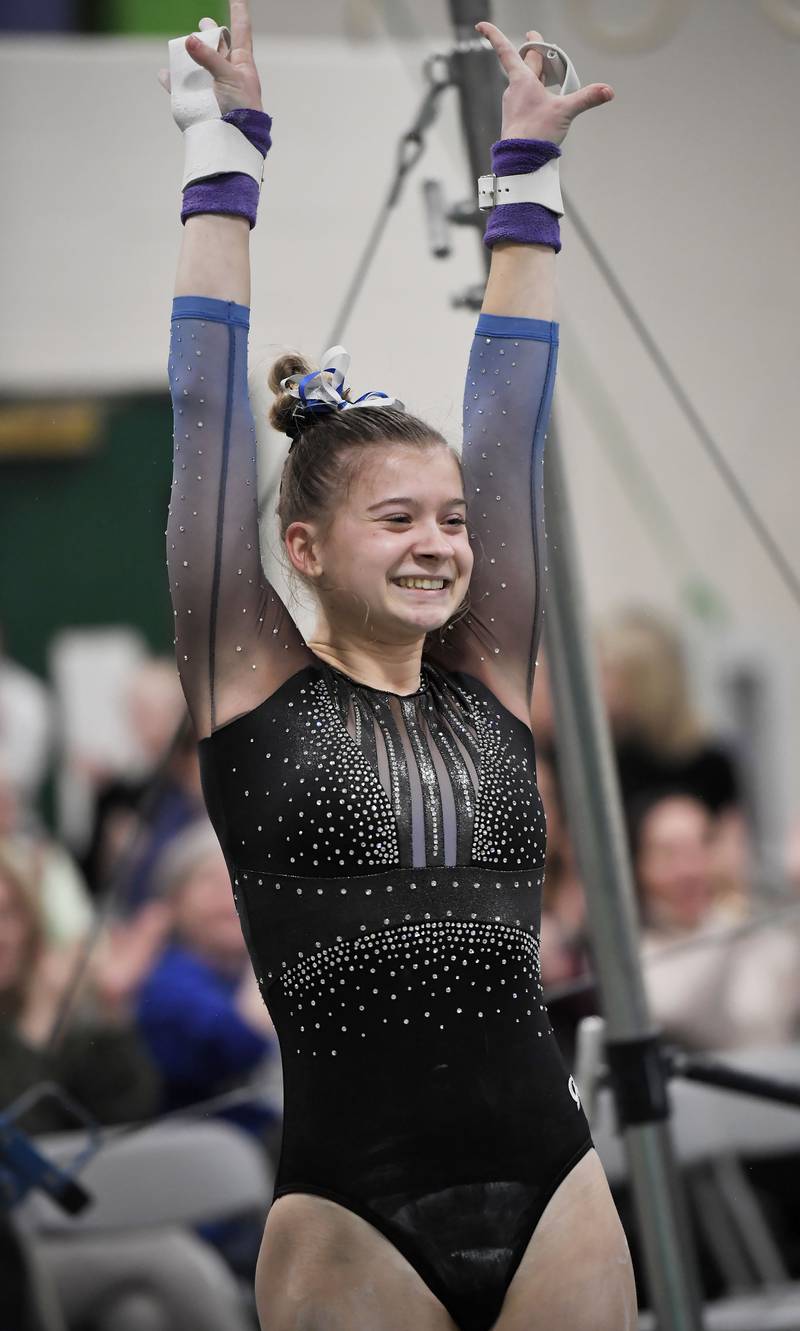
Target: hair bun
pixel 287 414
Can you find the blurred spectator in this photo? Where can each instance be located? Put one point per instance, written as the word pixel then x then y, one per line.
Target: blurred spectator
pixel 136 818
pixel 718 991
pixel 155 709
pixel 658 736
pixel 26 726
pixel 54 877
pixel 100 1061
pixel 200 1010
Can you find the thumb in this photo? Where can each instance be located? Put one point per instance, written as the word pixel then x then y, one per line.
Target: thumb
pixel 595 94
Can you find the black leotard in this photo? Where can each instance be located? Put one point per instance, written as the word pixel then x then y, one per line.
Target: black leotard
pixel 386 851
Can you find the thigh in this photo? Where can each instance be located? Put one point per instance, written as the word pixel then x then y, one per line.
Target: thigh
pixel 324 1268
pixel 576 1271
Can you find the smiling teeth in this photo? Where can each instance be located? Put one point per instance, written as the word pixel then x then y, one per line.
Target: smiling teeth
pixel 424 584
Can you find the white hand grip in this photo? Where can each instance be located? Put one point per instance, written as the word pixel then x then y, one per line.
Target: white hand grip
pixel 558 71
pixel 192 87
pixel 213 145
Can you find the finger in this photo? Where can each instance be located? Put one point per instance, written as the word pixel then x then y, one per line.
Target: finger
pixel 534 59
pixel 508 55
pixel 207 23
pixel 211 60
pixel 164 80
pixel 586 98
pixel 241 28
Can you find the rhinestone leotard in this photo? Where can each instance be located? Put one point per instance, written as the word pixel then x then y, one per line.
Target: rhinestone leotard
pixel 386 851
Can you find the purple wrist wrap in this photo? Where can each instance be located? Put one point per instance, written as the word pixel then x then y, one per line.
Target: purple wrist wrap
pixel 232 191
pixel 524 223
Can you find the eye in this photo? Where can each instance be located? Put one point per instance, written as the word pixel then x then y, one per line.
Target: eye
pixel 405 519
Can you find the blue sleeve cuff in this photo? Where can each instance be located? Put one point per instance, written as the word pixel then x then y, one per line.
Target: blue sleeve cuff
pixel 501 325
pixel 214 311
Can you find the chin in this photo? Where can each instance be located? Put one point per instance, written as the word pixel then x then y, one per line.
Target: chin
pixel 424 622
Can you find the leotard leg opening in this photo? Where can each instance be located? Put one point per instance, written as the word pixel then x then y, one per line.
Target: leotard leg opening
pixel 465 1242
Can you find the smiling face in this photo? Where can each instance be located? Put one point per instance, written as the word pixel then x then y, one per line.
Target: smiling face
pixel 394 562
pixel 674 862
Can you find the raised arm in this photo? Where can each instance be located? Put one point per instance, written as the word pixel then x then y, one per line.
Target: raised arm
pixel 507 398
pixel 234 641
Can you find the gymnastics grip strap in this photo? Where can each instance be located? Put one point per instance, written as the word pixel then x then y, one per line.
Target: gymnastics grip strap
pixel 213 145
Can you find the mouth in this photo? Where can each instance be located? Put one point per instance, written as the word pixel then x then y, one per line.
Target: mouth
pixel 427 585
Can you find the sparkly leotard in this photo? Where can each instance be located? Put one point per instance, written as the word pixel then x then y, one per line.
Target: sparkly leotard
pixel 386 851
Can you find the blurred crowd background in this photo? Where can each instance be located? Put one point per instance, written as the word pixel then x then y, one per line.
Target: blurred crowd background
pixel 124 977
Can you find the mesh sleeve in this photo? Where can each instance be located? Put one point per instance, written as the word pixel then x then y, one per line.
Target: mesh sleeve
pixel 234 640
pixel 507 399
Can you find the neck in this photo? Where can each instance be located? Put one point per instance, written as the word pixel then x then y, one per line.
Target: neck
pixel 392 666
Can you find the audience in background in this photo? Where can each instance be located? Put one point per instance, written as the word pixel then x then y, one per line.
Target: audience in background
pixel 154 708
pixel 709 987
pixel 200 1009
pixel 694 852
pixel 53 875
pixel 659 739
pixel 137 818
pixel 100 1061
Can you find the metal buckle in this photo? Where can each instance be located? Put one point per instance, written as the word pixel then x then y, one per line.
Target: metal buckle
pixel 487 192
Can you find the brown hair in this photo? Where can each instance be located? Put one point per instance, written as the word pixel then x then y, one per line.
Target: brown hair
pixel 647 651
pixel 326 446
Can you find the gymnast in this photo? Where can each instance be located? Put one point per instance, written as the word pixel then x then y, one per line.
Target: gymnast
pixel 374 787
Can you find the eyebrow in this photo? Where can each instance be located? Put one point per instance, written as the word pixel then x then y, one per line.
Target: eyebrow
pixel 404 499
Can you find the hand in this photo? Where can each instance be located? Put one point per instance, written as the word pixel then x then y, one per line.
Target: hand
pixel 125 956
pixel 529 110
pixel 236 82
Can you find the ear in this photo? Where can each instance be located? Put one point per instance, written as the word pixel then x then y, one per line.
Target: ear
pixel 302 547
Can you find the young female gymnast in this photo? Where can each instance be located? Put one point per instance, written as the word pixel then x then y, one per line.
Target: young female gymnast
pixel 373 788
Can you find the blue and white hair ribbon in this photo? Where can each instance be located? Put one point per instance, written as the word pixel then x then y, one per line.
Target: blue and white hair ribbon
pixel 321 391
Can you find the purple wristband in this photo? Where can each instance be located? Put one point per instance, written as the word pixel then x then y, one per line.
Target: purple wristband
pixel 524 223
pixel 232 191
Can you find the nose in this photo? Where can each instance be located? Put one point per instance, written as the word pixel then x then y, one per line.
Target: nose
pixel 433 543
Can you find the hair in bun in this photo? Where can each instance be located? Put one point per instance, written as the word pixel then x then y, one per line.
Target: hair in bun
pixel 327 446
pixel 287 414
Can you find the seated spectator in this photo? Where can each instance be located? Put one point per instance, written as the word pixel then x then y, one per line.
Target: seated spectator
pixel 658 737
pixel 100 1061
pixel 719 991
pixel 136 820
pixel 53 875
pixel 155 708
pixel 200 1009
